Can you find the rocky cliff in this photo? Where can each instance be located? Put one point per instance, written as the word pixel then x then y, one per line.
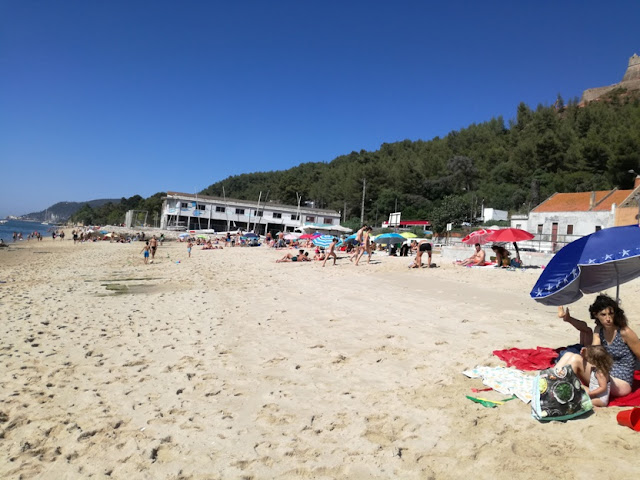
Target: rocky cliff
pixel 630 81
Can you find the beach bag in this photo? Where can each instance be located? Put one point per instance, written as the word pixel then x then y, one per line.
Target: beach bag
pixel 558 395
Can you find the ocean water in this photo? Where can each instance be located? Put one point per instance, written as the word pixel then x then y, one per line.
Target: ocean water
pixel 18 226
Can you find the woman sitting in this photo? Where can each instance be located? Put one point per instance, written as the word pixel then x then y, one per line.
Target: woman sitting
pixel 502 256
pixel 613 333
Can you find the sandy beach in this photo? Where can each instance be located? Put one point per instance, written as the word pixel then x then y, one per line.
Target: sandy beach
pixel 228 365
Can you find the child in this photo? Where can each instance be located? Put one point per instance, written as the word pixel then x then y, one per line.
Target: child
pixel 189 245
pixel 331 252
pixel 592 366
pixel 146 250
pixel 600 362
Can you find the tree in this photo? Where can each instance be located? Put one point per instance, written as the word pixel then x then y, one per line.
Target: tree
pixel 453 209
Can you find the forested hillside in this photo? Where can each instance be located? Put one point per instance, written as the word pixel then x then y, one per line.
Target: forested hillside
pixel 562 148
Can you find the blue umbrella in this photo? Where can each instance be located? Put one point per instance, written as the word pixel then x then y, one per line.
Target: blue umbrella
pixel 324 241
pixel 350 239
pixel 593 263
pixel 390 238
pixel 250 235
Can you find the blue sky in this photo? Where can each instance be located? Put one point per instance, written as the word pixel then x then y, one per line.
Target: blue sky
pixel 117 98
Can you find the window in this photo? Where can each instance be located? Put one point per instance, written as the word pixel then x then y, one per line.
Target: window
pixel 277 215
pixel 569 229
pixel 220 209
pixel 598 228
pixel 328 221
pixel 311 219
pixel 259 213
pixel 295 216
pixel 200 207
pixel 184 205
pixel 239 211
pixel 540 229
pixel 518 225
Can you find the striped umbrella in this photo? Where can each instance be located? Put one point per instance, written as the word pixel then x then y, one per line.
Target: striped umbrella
pixel 324 241
pixel 479 236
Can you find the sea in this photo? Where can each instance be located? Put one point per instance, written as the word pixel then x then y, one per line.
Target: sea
pixel 19 226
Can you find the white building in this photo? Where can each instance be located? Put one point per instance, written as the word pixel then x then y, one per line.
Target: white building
pixel 565 217
pixel 493 215
pixel 200 212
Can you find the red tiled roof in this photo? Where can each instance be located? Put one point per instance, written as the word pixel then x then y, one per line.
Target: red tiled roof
pixel 616 197
pixel 581 201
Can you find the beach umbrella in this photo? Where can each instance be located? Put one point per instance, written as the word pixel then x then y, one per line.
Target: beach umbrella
pixel 324 241
pixel 309 236
pixel 479 236
pixel 184 235
pixel 510 235
pixel 251 235
pixel 292 236
pixel 590 264
pixel 409 235
pixel 390 239
pixel 350 239
pixel 202 236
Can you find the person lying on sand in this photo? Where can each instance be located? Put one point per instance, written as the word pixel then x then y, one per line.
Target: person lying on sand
pixel 301 257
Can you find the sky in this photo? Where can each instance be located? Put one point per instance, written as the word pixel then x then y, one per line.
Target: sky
pixel 118 98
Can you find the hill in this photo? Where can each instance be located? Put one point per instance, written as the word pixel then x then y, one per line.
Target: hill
pixel 559 148
pixel 61 212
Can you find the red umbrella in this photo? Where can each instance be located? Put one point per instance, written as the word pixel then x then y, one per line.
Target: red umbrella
pixel 309 236
pixel 479 236
pixel 510 235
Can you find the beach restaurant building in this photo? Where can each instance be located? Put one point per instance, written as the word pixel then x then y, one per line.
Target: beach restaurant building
pixel 184 211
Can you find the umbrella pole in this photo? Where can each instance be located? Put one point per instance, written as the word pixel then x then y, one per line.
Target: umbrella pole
pixel 615 265
pixel 517 253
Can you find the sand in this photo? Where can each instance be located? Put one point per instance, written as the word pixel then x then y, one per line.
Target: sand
pixel 228 365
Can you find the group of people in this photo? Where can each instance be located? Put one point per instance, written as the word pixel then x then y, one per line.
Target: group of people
pixel 478 258
pixel 150 248
pixel 35 234
pixel 607 356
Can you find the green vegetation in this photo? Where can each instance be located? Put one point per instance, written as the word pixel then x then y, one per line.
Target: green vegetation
pixel 562 148
pixel 113 213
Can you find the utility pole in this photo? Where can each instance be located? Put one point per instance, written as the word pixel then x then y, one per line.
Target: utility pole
pixel 299 197
pixel 344 212
pixel 364 189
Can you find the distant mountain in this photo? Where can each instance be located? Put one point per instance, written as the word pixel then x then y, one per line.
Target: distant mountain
pixel 62 211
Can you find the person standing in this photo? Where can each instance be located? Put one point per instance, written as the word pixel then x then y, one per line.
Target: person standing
pixel 331 252
pixel 145 250
pixel 153 243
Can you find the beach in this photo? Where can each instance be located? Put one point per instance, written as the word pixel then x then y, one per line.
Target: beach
pixel 228 365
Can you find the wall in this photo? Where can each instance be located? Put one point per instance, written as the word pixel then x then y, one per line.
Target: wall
pixel 583 223
pixel 626 216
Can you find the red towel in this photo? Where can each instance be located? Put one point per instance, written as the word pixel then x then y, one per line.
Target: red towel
pixel 538 358
pixel 631 400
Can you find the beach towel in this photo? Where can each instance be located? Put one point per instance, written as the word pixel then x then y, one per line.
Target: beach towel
pixel 538 358
pixel 508 381
pixel 631 400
